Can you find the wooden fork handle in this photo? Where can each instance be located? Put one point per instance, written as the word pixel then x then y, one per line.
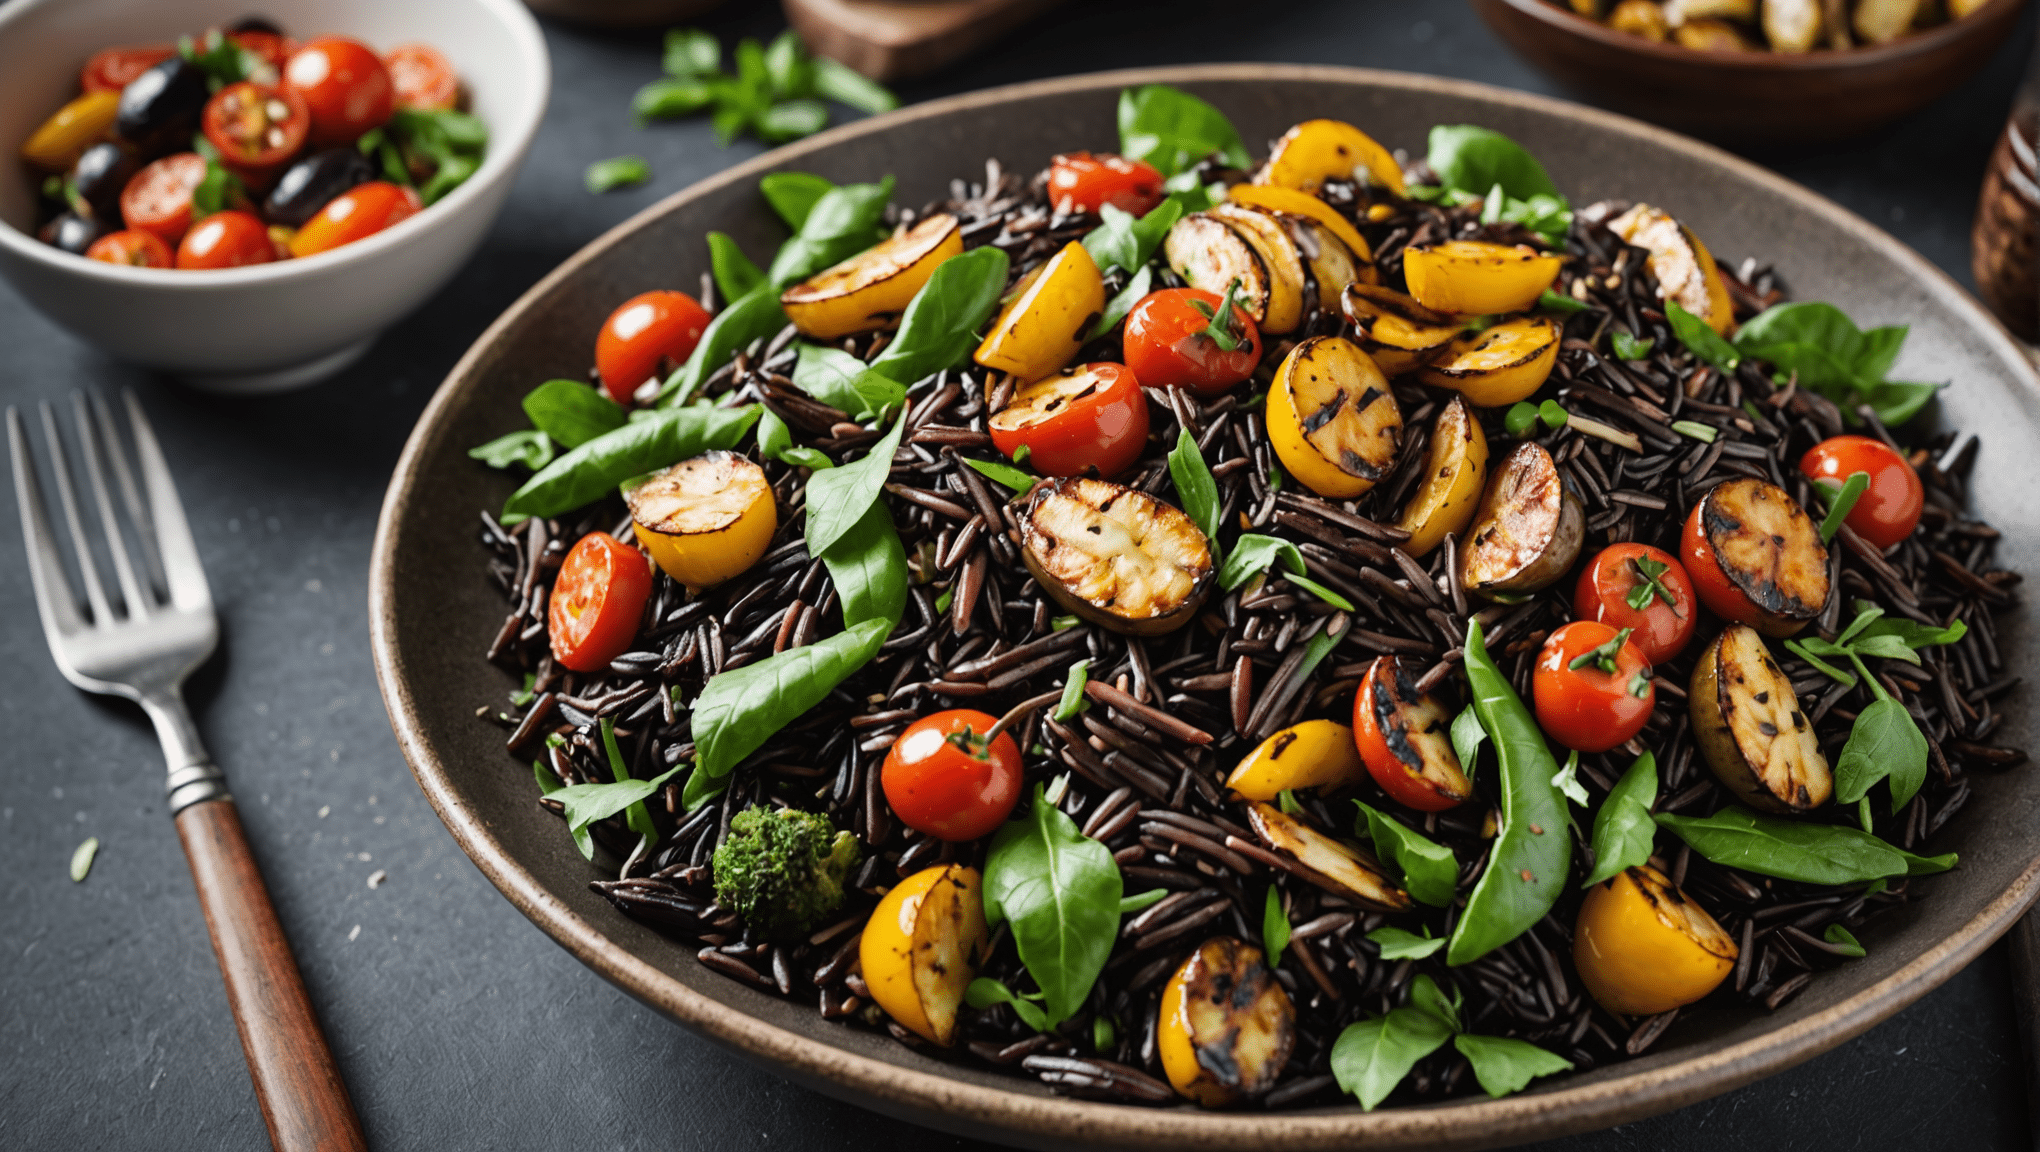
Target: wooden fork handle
pixel 303 1099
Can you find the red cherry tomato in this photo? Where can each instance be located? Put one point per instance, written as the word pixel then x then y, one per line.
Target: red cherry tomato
pixel 157 199
pixel 1588 708
pixel 111 69
pixel 1889 508
pixel 1404 739
pixel 942 779
pixel 1167 343
pixel 257 130
pixel 1081 182
pixel 272 47
pixel 422 76
pixel 135 248
pixel 1613 583
pixel 355 214
pixel 1090 419
pixel 644 330
pixel 344 84
pixel 226 240
pixel 596 601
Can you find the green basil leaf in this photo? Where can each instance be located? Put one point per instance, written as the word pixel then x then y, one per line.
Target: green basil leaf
pixel 1274 927
pixel 588 803
pixel 1927 865
pixel 1800 649
pixel 1426 996
pixel 1701 340
pixel 1883 742
pixel 791 120
pixel 1567 781
pixel 1527 867
pixel 1073 701
pixel 841 224
pixel 1834 358
pixel 637 817
pixel 1628 347
pixel 1838 508
pixel 1371 1057
pixel 670 98
pixel 1195 488
pixel 794 195
pixel 739 710
pixel 1503 1064
pixel 939 328
pixel 845 85
pixel 1467 735
pixel 1004 475
pixel 617 172
pixel 1397 944
pixel 531 448
pixel 1122 302
pixel 1787 849
pixel 572 413
pixel 734 273
pixel 1888 647
pixel 838 498
pixel 1549 216
pixel 1140 900
pixel 1128 241
pixel 775 442
pixel 691 52
pixel 984 992
pixel 1624 832
pixel 755 315
pixel 1897 401
pixel 840 380
pixel 1060 892
pixel 1553 302
pixel 1252 555
pixel 1845 940
pixel 790 69
pixel 1173 130
pixel 1474 159
pixel 868 565
pixel 595 468
pixel 1913 634
pixel 1428 869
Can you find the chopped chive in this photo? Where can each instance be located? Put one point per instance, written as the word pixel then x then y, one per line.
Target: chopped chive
pixel 1843 503
pixel 1705 433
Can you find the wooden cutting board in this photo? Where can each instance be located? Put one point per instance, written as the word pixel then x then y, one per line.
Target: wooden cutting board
pixel 898 39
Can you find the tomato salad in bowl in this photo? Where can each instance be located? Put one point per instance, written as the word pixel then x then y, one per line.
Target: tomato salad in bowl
pixel 241 145
pixel 1187 628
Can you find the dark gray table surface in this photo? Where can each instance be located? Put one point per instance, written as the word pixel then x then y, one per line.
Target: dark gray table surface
pixel 458 1024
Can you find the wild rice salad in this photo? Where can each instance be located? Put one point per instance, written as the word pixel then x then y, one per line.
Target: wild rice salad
pixel 1185 628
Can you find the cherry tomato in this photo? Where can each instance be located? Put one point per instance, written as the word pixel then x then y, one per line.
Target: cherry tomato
pixel 226 240
pixel 1624 575
pixel 1405 739
pixel 110 69
pixel 644 330
pixel 596 601
pixel 1167 342
pixel 344 84
pixel 1889 508
pixel 133 247
pixel 355 214
pixel 1090 419
pixel 942 779
pixel 158 199
pixel 1081 182
pixel 273 47
pixel 256 129
pixel 1588 708
pixel 422 76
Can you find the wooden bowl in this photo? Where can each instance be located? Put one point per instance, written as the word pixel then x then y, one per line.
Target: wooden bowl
pixel 433 612
pixel 1751 98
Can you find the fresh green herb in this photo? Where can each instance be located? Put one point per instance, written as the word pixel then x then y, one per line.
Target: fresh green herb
pixel 1884 741
pixel 791 120
pixel 636 816
pixel 571 412
pixel 81 859
pixel 218 191
pixel 1174 131
pixel 1397 944
pixel 1567 780
pixel 1021 454
pixel 1482 163
pixel 531 448
pixel 943 601
pixel 1650 585
pixel 1628 347
pixel 840 380
pixel 1274 927
pixel 1828 354
pixel 1195 487
pixel 845 85
pixel 1503 1064
pixel 1623 829
pixel 1371 1057
pixel 1554 302
pixel 1693 429
pixel 755 315
pixel 1521 418
pixel 1467 736
pixel 671 98
pixel 1701 340
pixel 1532 850
pixel 448 144
pixel 1552 414
pixel 1004 475
pixel 939 327
pixel 734 273
pixel 1140 900
pixel 1122 302
pixel 1073 701
pixel 1103 1034
pixel 1844 941
pixel 984 992
pixel 1224 330
pixel 773 94
pixel 1127 241
pixel 793 194
pixel 1841 503
pixel 223 60
pixel 775 442
pixel 690 52
pixel 841 224
pixel 1428 870
pixel 1793 850
pixel 586 804
pixel 1059 890
pixel 1253 554
pixel 1602 656
pixel 1286 801
pixel 838 498
pixel 640 446
pixel 1061 622
pixel 868 566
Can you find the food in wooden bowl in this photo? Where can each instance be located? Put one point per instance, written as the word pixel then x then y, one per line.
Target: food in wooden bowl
pixel 1790 26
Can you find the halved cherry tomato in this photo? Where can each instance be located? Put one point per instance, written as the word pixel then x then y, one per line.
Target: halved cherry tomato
pixel 256 129
pixel 1086 420
pixel 1081 182
pixel 1405 739
pixel 1626 587
pixel 273 47
pixel 344 84
pixel 355 214
pixel 110 69
pixel 943 779
pixel 1167 342
pixel 226 240
pixel 647 328
pixel 133 247
pixel 596 601
pixel 1592 687
pixel 1889 508
pixel 158 199
pixel 422 76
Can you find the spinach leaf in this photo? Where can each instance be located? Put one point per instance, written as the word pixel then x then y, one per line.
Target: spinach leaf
pixel 1253 554
pixel 531 448
pixel 1173 130
pixel 1195 488
pixel 1623 829
pixel 595 468
pixel 840 380
pixel 868 565
pixel 1122 302
pixel 1790 849
pixel 1701 340
pixel 838 497
pixel 1883 742
pixel 1845 940
pixel 845 85
pixel 793 194
pixel 1527 867
pixel 1004 475
pixel 1140 900
pixel 1397 944
pixel 1467 737
pixel 1426 996
pixel 844 222
pixel 1429 870
pixel 739 710
pixel 939 327
pixel 1834 358
pixel 1274 927
pixel 1073 702
pixel 984 992
pixel 1371 1057
pixel 617 172
pixel 572 413
pixel 1474 159
pixel 755 315
pixel 1504 1065
pixel 734 273
pixel 775 442
pixel 1128 241
pixel 1060 891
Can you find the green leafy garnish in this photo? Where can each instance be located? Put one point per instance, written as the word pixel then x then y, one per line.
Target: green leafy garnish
pixel 1841 503
pixel 1701 340
pixel 1274 927
pixel 1623 829
pixel 1819 345
pixel 617 172
pixel 1073 701
pixel 531 448
pixel 1428 870
pixel 1628 347
pixel 1793 850
pixel 775 93
pixel 1059 890
pixel 572 413
pixel 1254 554
pixel 1195 487
pixel 1397 944
pixel 1174 131
pixel 984 992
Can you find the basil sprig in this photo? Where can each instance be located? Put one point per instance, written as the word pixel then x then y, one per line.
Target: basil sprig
pixel 1005 475
pixel 1173 130
pixel 1254 554
pixel 775 442
pixel 1059 890
pixel 1195 487
pixel 1650 584
pixel 1504 1064
pixel 1623 829
pixel 1884 742
pixel 774 93
pixel 596 467
pixel 571 412
pixel 1833 357
pixel 1128 241
pixel 1628 347
pixel 1840 503
pixel 1480 164
pixel 1794 850
pixel 1372 1056
pixel 529 447
pixel 1429 871
pixel 844 222
pixel 985 991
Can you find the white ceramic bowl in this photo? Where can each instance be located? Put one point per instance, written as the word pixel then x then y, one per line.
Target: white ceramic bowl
pixel 276 326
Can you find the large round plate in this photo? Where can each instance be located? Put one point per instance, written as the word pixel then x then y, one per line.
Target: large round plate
pixel 433 613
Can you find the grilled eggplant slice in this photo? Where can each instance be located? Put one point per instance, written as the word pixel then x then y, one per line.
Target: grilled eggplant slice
pixel 1332 418
pixel 1335 866
pixel 869 290
pixel 1406 739
pixel 1209 254
pixel 1319 150
pixel 1452 481
pixel 1399 333
pixel 1751 729
pixel 1685 270
pixel 1755 557
pixel 1501 365
pixel 1271 242
pixel 1314 754
pixel 1116 556
pixel 1226 1026
pixel 1528 530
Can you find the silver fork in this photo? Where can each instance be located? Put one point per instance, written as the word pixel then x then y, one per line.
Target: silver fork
pixel 142 646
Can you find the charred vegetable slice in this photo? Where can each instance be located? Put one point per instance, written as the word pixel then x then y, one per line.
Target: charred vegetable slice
pixel 1475 276
pixel 1401 334
pixel 1528 530
pixel 1313 754
pixel 1643 947
pixel 1751 729
pixel 1406 739
pixel 1332 418
pixel 1043 324
pixel 1755 557
pixel 1500 365
pixel 1226 1026
pixel 1335 866
pixel 1319 150
pixel 1269 198
pixel 1452 480
pixel 1330 262
pixel 706 519
pixel 1116 556
pixel 1210 254
pixel 1279 255
pixel 869 290
pixel 1685 270
pixel 921 948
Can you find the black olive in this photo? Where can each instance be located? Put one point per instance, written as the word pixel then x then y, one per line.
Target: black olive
pixel 72 232
pixel 99 177
pixel 159 109
pixel 256 24
pixel 308 184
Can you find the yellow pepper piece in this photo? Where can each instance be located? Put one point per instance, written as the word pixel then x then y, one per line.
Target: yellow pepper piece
pixel 1044 324
pixel 76 126
pixel 1642 947
pixel 1319 150
pixel 1475 276
pixel 1332 418
pixel 706 519
pixel 1452 482
pixel 921 946
pixel 870 290
pixel 1270 198
pixel 1500 365
pixel 1313 754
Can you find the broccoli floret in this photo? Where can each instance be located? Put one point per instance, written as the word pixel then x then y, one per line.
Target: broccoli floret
pixel 782 871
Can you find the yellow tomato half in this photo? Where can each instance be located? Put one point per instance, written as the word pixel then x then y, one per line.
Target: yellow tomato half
pixel 922 946
pixel 73 128
pixel 1226 1026
pixel 1642 947
pixel 1319 150
pixel 1332 418
pixel 1313 754
pixel 1500 365
pixel 1044 324
pixel 706 519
